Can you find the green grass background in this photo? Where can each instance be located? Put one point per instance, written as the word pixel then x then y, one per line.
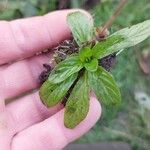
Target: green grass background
pixel 130 122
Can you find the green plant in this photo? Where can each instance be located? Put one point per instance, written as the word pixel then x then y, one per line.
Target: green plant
pixel 80 73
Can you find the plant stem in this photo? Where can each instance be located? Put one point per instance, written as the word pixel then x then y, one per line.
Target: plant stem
pixel 114 15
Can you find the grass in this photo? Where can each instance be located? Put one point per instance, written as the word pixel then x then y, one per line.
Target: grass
pixel 131 121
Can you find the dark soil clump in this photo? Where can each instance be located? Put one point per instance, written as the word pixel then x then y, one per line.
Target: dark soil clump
pixel 45 73
pixel 64 49
pixel 108 61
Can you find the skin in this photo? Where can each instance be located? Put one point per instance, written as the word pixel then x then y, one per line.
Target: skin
pixel 25 123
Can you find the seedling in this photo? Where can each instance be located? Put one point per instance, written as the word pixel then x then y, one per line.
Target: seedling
pixel 81 67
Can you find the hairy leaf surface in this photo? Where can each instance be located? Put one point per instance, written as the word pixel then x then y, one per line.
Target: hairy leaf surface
pixel 104 86
pixel 51 94
pixel 77 105
pixel 81 26
pixel 122 39
pixel 91 65
pixel 65 69
pixel 85 53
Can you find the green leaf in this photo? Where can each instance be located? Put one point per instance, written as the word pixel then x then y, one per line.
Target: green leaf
pixel 100 50
pixel 77 105
pixel 123 39
pixel 52 94
pixel 104 86
pixel 91 65
pixel 81 27
pixel 85 53
pixel 64 69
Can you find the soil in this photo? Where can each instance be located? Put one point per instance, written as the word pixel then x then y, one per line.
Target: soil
pixel 108 62
pixel 64 49
pixel 45 73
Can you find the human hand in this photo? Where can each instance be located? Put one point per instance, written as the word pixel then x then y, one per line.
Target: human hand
pixel 26 124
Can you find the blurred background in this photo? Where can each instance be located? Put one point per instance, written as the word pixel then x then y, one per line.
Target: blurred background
pixel 130 123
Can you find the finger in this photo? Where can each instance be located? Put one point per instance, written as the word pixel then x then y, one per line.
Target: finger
pixel 25 37
pixel 22 76
pixel 51 134
pixel 27 111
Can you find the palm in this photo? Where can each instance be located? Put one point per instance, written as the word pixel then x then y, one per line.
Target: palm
pixel 27 123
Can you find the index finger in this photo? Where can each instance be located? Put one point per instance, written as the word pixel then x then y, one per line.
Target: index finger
pixel 24 37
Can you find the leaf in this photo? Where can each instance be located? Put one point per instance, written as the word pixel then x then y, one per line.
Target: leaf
pixel 77 105
pixel 104 87
pixel 123 39
pixel 85 53
pixel 91 65
pixel 100 50
pixel 51 94
pixel 64 69
pixel 81 27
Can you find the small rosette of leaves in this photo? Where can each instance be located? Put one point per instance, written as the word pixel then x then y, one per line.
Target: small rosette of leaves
pixel 80 73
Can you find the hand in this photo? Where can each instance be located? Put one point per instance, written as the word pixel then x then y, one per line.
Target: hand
pixel 26 124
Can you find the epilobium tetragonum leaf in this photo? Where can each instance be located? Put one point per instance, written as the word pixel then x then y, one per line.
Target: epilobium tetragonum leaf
pixel 52 94
pixel 104 86
pixel 77 105
pixel 81 27
pixel 122 39
pixel 65 69
pixel 100 50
